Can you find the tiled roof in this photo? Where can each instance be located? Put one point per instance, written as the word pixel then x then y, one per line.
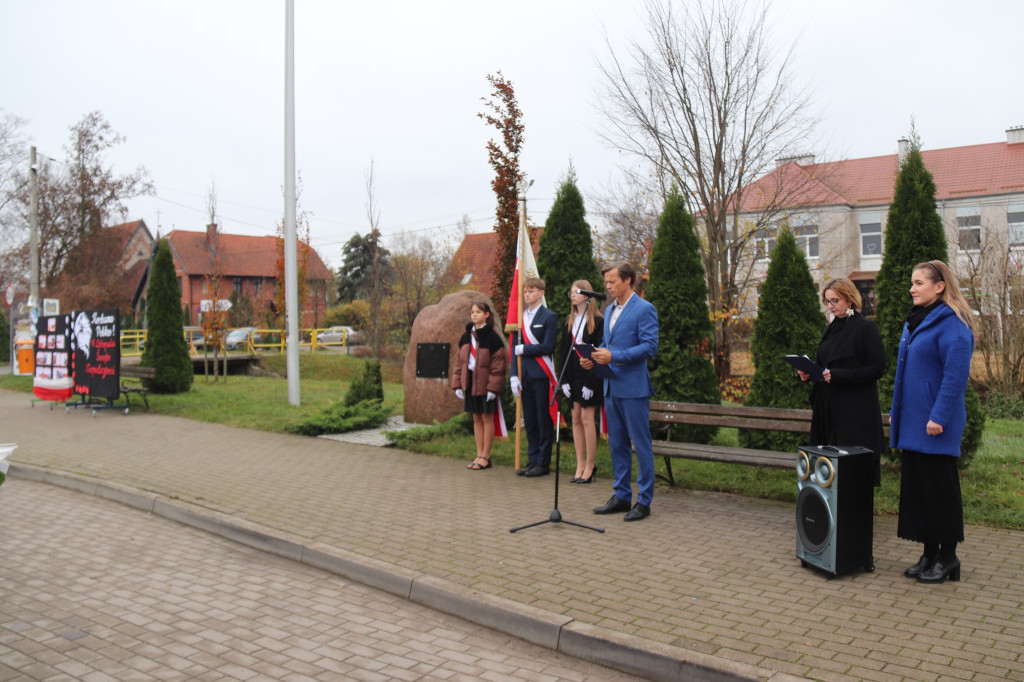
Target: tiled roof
pixel 124 231
pixel 476 256
pixel 959 172
pixel 240 255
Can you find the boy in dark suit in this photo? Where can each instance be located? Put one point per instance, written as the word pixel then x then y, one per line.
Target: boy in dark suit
pixel 536 344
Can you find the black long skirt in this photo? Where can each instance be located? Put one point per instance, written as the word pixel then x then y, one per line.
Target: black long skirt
pixel 931 508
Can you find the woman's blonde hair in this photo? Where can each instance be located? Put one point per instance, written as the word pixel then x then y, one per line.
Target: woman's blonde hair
pixel 846 289
pixel 585 285
pixel 937 271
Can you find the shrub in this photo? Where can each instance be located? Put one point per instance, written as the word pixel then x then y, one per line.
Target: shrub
pixel 339 418
pixel 370 386
pixel 166 350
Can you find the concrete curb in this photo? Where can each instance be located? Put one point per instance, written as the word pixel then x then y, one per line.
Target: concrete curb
pixel 626 653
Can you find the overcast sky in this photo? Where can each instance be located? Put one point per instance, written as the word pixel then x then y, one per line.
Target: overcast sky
pixel 197 88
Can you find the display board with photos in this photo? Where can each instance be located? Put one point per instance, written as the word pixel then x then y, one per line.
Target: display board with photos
pixel 52 378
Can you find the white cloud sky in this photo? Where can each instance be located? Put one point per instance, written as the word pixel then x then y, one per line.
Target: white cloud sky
pixel 197 88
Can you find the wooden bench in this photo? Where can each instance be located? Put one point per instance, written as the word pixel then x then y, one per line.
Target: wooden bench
pixel 735 416
pixel 139 385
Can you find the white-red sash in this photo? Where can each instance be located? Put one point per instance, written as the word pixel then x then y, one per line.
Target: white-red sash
pixel 546 364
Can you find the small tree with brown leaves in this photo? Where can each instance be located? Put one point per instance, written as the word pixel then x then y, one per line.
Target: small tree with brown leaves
pixel 505 116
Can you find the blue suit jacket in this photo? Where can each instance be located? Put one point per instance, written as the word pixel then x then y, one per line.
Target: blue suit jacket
pixel 932 368
pixel 545 330
pixel 632 342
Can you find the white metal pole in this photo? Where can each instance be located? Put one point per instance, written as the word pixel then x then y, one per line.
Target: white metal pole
pixel 34 229
pixel 291 294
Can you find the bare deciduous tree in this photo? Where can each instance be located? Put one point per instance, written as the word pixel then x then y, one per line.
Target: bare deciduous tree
pixel 710 104
pixel 991 274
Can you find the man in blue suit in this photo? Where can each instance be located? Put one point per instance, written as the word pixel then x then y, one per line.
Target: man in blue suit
pixel 536 344
pixel 630 339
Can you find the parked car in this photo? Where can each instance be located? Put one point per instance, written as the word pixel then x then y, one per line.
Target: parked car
pixel 194 335
pixel 239 338
pixel 350 335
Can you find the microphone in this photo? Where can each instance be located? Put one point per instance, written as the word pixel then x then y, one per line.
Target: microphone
pixel 592 294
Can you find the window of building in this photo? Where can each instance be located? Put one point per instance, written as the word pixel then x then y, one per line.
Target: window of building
pixel 764 241
pixel 807 239
pixel 968 225
pixel 237 285
pixel 465 279
pixel 257 285
pixel 1015 223
pixel 870 234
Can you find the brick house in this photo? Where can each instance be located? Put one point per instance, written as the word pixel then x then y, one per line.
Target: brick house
pixel 472 265
pixel 249 269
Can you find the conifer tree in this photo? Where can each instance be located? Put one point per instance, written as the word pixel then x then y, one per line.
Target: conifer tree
pixel 914 234
pixel 566 247
pixel 5 337
pixel 683 370
pixel 789 321
pixel 166 350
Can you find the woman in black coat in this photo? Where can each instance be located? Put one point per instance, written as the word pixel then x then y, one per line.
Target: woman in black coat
pixel 584 391
pixel 845 405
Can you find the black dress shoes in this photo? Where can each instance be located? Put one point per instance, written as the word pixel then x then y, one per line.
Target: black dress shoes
pixel 613 506
pixel 536 470
pixel 522 472
pixel 638 512
pixel 940 570
pixel 922 565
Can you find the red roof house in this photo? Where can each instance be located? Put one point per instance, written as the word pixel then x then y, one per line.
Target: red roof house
pixel 248 267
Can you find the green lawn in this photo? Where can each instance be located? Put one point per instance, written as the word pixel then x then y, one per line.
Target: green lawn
pixel 993 486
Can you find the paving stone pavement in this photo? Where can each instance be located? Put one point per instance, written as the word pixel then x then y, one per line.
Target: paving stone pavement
pixel 708 587
pixel 95 590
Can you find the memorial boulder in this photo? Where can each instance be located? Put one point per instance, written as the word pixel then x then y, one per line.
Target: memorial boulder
pixel 431 358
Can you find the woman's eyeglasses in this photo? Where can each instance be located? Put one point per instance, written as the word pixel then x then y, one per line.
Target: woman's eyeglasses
pixel 833 301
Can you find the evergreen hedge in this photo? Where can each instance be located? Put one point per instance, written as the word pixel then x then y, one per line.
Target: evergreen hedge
pixel 166 350
pixel 566 248
pixel 683 370
pixel 789 321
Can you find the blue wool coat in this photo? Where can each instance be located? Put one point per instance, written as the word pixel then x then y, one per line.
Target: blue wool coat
pixel 932 369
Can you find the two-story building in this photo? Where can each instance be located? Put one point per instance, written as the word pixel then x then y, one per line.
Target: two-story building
pixel 840 217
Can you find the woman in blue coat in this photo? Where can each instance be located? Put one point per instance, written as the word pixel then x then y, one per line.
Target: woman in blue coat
pixel 928 416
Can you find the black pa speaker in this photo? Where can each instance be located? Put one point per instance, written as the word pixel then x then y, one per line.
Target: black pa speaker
pixel 835 508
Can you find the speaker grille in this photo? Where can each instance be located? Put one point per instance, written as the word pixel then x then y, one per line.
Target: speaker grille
pixel 813 519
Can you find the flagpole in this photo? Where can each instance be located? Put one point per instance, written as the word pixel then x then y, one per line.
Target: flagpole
pixel 524 243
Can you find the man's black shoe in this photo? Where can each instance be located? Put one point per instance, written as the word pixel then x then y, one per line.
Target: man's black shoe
pixel 537 470
pixel 639 511
pixel 522 472
pixel 613 506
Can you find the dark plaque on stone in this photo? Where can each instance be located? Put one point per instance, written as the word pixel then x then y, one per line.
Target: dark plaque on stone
pixel 432 360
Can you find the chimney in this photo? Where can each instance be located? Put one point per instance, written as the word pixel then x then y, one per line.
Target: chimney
pixel 1015 135
pixel 211 234
pixel 799 159
pixel 904 144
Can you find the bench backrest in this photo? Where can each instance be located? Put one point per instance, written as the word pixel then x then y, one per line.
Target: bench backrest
pixel 737 416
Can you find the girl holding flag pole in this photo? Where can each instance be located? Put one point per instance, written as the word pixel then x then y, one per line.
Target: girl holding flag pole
pixel 478 379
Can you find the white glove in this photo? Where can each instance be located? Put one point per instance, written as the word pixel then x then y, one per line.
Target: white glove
pixel 587 393
pixel 517 388
pixel 459 394
pixel 565 390
pixel 491 395
pixel 518 350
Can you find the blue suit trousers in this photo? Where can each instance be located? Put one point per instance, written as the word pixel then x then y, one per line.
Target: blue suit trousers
pixel 629 422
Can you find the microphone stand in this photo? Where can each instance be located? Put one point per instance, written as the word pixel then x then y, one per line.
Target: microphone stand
pixel 556 516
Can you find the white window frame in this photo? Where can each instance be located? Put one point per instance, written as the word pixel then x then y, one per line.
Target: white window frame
pixel 871 220
pixel 1015 222
pixel 968 222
